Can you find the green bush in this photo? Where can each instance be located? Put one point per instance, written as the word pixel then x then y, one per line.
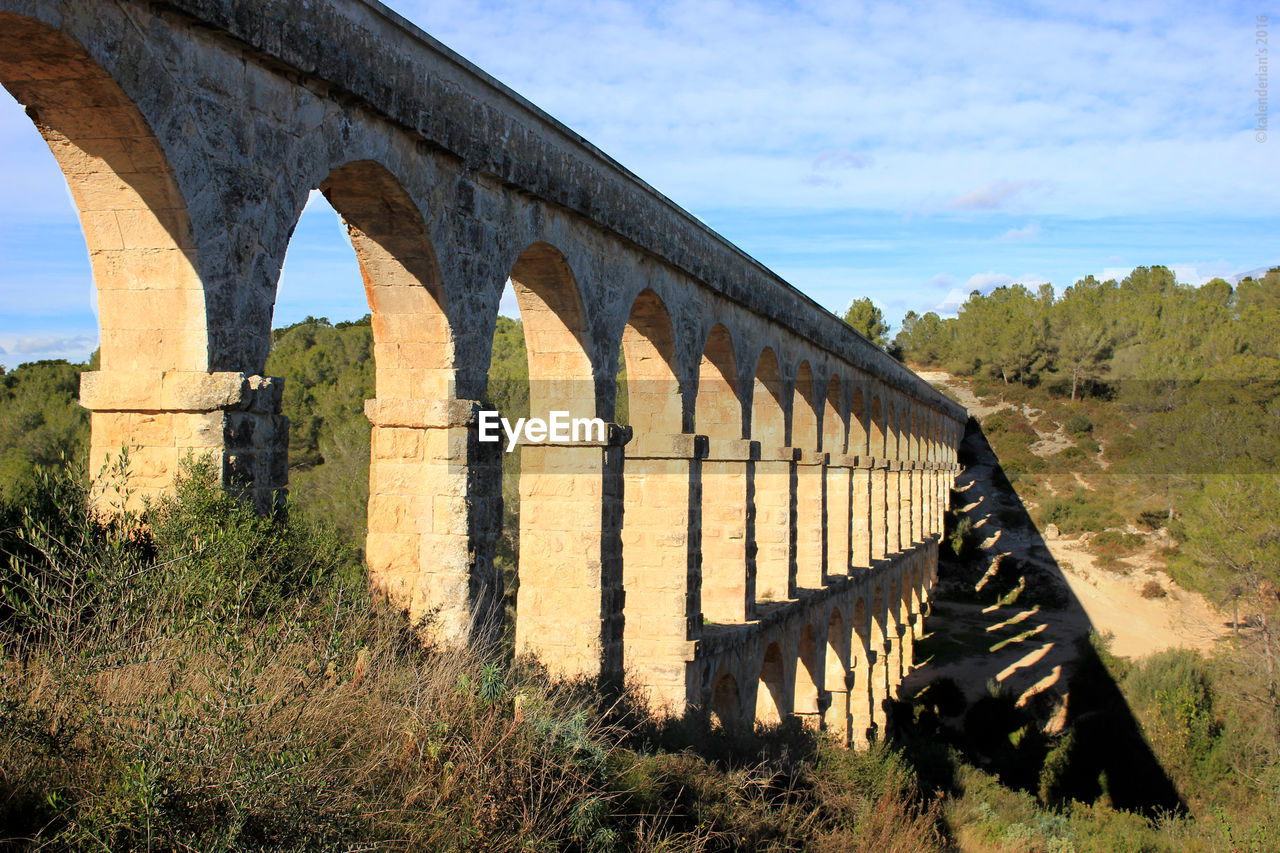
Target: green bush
pixel 1079 512
pixel 1078 423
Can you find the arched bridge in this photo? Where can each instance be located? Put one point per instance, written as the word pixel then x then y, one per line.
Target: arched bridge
pixel 759 543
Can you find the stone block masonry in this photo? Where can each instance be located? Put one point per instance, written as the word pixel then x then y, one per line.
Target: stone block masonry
pixel 762 541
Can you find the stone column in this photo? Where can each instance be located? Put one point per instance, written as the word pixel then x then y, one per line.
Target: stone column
pixel 860 535
pixel 836 718
pixel 840 518
pixel 906 642
pixel 893 508
pixel 927 500
pixel 811 519
pixel 569 604
pixel 879 511
pixel 906 534
pixel 919 532
pixel 775 523
pixel 428 505
pixel 728 531
pixel 861 696
pixel 661 565
pixel 159 419
pixel 882 685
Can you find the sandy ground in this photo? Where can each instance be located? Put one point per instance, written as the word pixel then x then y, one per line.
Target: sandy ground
pixel 1029 649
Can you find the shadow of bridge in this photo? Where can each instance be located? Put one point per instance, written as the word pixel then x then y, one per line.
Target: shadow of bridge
pixel 1007 673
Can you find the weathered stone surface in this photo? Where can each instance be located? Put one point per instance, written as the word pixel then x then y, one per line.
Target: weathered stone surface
pixel 758 542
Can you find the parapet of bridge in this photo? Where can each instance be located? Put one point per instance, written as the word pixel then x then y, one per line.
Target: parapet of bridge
pixel 760 543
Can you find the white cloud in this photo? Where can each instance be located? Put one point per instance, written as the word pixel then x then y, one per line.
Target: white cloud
pixel 994 195
pixel 1021 235
pixel 987 281
pixel 47 345
pixel 840 160
pixel 950 304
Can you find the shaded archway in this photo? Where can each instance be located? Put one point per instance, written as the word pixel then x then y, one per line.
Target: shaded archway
pixel 893 478
pixel 418 545
pixel 726 703
pixel 860 497
pixel 771 691
pixel 839 517
pixel 808 683
pixel 863 695
pixel 152 312
pixel 879 476
pixel 728 563
pixel 810 487
pixel 837 670
pixel 659 519
pixel 774 484
pixel 569 598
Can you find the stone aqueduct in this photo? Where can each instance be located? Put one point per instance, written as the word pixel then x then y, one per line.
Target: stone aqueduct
pixel 760 543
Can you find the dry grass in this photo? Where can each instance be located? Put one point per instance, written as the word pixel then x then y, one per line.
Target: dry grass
pixel 201 679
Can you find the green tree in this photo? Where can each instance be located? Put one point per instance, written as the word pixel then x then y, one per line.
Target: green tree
pixel 41 423
pixel 868 321
pixel 1082 332
pixel 924 339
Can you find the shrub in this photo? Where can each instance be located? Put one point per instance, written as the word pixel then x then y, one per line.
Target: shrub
pixel 1077 423
pixel 961 536
pixel 1077 513
pixel 1153 589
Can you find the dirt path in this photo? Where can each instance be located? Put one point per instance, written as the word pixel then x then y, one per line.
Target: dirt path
pixel 1030 648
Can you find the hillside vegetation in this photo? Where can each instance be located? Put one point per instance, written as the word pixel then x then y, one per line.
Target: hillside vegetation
pixel 198 678
pixel 1138 422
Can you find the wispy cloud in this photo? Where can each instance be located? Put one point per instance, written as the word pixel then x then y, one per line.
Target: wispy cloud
pixel 40 346
pixel 787 115
pixel 993 196
pixel 1021 235
pixel 829 161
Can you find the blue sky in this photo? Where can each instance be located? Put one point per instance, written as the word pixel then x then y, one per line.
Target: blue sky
pixel 906 152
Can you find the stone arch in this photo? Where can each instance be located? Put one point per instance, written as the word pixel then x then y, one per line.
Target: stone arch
pixel 132 213
pixel 728 570
pixel 837 651
pixel 555 332
pixel 659 557
pixel 768 414
pixel 412 338
pixel 863 697
pixel 411 475
pixel 858 421
pixel 717 406
pixel 155 345
pixel 882 645
pixel 774 497
pixel 876 434
pixel 810 493
pixel 726 702
pixel 568 598
pixel 834 426
pixel 808 679
pixel 771 693
pixel 836 676
pixel 877 488
pixel 804 410
pixel 648 347
pixel 839 517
